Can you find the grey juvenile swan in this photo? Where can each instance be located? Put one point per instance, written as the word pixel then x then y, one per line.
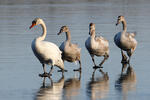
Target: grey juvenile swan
pixel 70 52
pixel 125 40
pixel 97 46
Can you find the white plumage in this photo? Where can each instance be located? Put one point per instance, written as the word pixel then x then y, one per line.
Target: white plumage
pixel 46 52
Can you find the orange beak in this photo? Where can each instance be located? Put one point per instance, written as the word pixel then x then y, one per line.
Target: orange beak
pixel 33 24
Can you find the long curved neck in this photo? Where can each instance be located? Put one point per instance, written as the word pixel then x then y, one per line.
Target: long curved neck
pixel 92 34
pixel 42 37
pixel 68 36
pixel 124 25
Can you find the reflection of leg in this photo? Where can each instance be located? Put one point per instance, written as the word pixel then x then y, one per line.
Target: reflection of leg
pixel 79 69
pixel 123 67
pixel 93 74
pixel 103 73
pixel 44 81
pixel 124 57
pixel 105 58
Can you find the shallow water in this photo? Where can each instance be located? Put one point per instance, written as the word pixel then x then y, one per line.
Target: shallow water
pixel 19 68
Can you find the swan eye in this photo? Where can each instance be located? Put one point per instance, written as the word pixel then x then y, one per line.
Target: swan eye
pixel 33 22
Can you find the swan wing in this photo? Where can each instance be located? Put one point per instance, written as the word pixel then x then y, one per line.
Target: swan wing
pixel 133 34
pixel 75 47
pixel 46 50
pixel 102 40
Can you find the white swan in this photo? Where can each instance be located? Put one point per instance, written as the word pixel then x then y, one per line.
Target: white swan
pixel 70 52
pixel 98 46
pixel 46 52
pixel 124 40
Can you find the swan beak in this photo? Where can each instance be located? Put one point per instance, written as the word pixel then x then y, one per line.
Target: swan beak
pixel 58 33
pixel 117 24
pixel 32 25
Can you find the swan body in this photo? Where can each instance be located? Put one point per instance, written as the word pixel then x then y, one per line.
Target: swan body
pixel 70 51
pixel 94 47
pixel 125 40
pixel 97 45
pixel 46 52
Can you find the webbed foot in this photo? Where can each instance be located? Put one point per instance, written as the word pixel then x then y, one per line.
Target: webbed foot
pixel 95 67
pixel 63 70
pixel 45 75
pixel 79 69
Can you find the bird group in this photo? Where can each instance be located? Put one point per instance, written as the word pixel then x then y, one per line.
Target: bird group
pixel 51 54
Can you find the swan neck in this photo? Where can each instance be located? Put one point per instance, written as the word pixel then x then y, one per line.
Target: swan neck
pixel 93 33
pixel 68 36
pixel 124 25
pixel 42 37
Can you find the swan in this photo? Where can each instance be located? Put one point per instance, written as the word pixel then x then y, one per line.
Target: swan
pixel 97 46
pixel 46 52
pixel 70 52
pixel 125 40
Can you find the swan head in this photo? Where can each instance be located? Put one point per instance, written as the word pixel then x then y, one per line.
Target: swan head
pixel 36 21
pixel 120 19
pixel 63 29
pixel 91 28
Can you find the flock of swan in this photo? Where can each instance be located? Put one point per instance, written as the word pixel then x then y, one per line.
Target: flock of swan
pixel 51 54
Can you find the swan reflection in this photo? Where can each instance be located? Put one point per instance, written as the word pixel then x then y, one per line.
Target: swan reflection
pixel 126 81
pixel 98 88
pixel 52 91
pixel 72 88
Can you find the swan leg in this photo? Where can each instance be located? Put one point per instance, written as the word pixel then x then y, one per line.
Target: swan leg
pixel 95 66
pixel 51 70
pixel 105 58
pixel 62 72
pixel 79 69
pixel 44 69
pixel 124 57
pixel 129 60
pixel 45 74
pixel 129 53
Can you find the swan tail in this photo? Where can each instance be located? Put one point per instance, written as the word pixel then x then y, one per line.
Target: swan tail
pixel 133 34
pixel 60 64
